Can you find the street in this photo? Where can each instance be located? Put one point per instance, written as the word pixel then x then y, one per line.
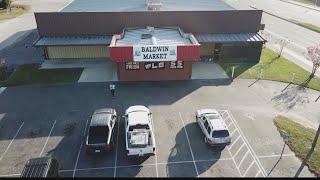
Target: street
pixel 276 28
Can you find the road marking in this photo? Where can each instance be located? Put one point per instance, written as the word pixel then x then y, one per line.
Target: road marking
pixel 230 124
pixel 195 166
pixel 257 173
pixel 276 155
pixel 9 175
pixel 238 150
pixel 48 137
pixel 82 142
pixel 245 173
pixel 235 129
pixel 245 155
pixel 2 89
pixel 65 6
pixel 234 162
pixel 249 146
pixel 11 141
pixel 156 150
pixel 75 166
pixel 234 142
pixel 116 158
pixel 85 129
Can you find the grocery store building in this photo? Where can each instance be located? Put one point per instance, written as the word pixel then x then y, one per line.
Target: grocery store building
pixel 151 39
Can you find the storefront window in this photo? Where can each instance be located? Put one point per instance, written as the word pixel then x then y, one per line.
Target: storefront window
pixel 154 65
pixel 176 65
pixel 132 65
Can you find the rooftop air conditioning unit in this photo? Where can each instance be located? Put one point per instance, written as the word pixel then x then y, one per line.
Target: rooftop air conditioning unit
pixel 153 5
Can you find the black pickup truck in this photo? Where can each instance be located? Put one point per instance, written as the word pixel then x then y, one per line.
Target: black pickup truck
pixel 100 136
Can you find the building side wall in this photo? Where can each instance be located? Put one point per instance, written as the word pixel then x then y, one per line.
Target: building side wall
pixel 109 23
pixel 154 74
pixel 207 49
pixel 75 52
pixel 241 53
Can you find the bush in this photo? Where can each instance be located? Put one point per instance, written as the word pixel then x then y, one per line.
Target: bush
pixel 4 3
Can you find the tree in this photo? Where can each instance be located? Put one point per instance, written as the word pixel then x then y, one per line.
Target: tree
pixel 313 53
pixel 282 43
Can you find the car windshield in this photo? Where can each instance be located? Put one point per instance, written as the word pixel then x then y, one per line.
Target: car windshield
pixel 212 116
pixel 139 126
pixel 220 134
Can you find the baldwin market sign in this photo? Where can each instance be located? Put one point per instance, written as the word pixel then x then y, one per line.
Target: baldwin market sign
pixel 154 53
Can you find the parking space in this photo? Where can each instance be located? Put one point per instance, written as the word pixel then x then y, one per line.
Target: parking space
pixel 180 147
pixel 181 150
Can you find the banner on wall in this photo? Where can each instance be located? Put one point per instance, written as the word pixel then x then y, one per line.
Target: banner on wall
pixel 154 53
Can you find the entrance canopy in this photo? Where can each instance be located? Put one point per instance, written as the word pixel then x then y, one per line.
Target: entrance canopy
pixel 154 45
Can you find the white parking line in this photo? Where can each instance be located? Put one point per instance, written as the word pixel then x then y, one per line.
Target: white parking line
pixel 235 129
pixel 10 175
pixel 156 159
pixel 249 146
pixel 244 157
pixel 245 173
pixel 82 142
pixel 11 141
pixel 195 166
pixel 75 166
pixel 116 158
pixel 239 150
pixel 65 6
pixel 234 162
pixel 85 129
pixel 257 173
pixel 234 142
pixel 276 155
pixel 48 138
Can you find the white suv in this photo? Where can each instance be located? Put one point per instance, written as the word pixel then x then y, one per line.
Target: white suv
pixel 213 127
pixel 140 139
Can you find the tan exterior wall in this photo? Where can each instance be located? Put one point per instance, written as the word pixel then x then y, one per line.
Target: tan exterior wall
pixel 75 52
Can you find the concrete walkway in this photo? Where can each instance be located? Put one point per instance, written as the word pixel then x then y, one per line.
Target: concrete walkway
pixel 208 70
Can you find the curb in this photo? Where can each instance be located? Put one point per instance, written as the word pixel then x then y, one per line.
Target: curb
pixel 290 21
pixel 301 5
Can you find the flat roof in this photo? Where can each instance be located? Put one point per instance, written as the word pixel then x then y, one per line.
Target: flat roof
pixel 140 5
pixel 160 36
pixel 243 37
pixel 73 41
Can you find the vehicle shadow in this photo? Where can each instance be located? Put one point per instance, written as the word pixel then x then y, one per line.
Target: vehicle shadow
pixel 181 162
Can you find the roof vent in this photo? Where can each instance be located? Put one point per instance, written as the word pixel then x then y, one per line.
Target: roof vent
pixel 146 36
pixel 153 5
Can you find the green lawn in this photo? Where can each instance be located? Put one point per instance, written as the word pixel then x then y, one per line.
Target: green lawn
pixel 15 12
pixel 31 74
pixel 272 68
pixel 310 26
pixel 301 140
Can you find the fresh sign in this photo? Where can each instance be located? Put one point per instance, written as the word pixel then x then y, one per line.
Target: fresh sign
pixel 154 53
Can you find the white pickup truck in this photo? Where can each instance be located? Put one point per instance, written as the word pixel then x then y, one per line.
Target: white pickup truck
pixel 139 132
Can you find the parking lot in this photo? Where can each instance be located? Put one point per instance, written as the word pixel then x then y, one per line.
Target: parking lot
pixel 55 124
